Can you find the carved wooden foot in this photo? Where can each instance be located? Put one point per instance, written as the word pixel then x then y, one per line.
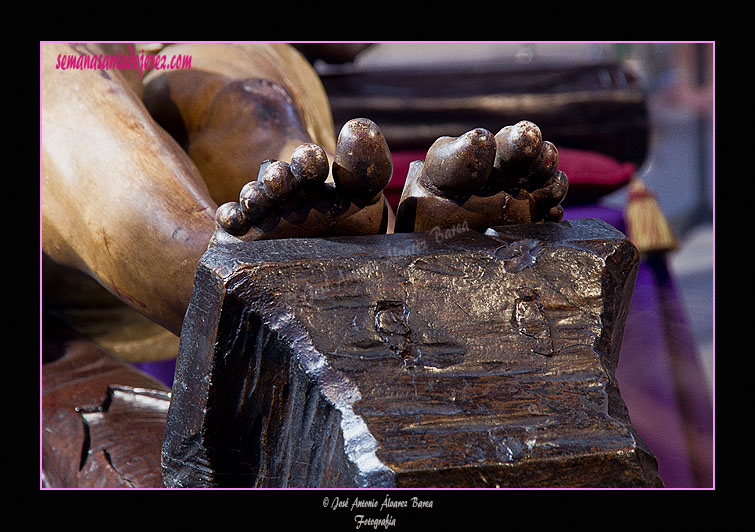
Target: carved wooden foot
pixel 131 205
pixel 481 180
pixel 237 106
pixel 255 120
pixel 417 359
pixel 296 198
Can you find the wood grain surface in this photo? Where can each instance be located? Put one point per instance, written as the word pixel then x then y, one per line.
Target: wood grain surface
pixel 451 359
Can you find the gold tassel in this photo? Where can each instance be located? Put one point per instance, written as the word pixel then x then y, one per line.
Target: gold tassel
pixel 647 227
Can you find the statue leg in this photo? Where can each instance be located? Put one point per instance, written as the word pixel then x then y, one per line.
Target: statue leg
pixel 130 190
pixel 255 120
pixel 121 201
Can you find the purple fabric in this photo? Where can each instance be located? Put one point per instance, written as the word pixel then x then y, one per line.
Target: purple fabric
pixel 647 386
pixel 610 215
pixel 161 370
pixel 659 373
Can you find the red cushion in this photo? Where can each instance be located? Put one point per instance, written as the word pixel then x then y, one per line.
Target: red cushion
pixel 591 174
pixel 401 162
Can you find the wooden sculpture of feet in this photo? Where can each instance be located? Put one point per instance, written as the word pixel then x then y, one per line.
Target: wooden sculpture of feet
pixel 134 207
pixel 200 174
pixel 482 180
pixel 138 177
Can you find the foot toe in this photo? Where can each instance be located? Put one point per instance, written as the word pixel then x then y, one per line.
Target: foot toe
pixel 460 166
pixel 518 144
pixel 279 181
pixel 546 165
pixel 309 164
pixel 255 202
pixel 553 190
pixel 232 219
pixel 363 165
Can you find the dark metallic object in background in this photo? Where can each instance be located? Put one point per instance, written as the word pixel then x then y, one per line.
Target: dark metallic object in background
pixel 600 107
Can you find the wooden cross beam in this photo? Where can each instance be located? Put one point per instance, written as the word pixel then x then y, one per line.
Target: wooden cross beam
pixel 437 359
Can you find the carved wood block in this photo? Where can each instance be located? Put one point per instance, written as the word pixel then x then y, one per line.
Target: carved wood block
pixel 421 359
pixel 103 421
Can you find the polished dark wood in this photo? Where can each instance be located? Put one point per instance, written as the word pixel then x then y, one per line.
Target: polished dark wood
pixel 102 420
pixel 423 209
pixel 432 359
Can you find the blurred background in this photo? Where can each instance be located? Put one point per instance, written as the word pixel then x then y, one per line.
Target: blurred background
pixel 634 125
